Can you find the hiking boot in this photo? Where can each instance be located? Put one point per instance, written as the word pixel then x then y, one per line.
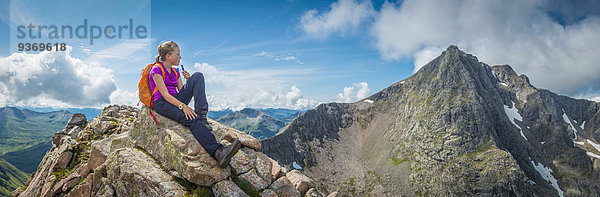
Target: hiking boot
pixel 223 154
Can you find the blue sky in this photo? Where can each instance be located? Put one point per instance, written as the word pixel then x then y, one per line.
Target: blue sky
pixel 295 54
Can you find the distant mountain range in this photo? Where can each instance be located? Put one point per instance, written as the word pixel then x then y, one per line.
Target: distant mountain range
pixel 90 113
pixel 217 114
pixel 260 123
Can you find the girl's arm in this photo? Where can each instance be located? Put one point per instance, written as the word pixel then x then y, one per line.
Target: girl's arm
pixel 162 88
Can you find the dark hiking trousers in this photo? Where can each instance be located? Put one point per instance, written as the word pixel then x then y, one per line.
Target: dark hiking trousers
pixel 194 87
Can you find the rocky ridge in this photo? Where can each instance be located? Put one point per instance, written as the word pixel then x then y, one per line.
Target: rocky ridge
pixel 123 153
pixel 457 127
pixel 254 122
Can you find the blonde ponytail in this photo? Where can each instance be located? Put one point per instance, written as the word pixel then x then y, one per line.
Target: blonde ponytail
pixel 164 49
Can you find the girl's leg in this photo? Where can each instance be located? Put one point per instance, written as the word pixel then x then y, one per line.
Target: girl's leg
pixel 200 131
pixel 194 87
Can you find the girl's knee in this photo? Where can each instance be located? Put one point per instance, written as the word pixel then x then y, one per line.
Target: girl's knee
pixel 198 75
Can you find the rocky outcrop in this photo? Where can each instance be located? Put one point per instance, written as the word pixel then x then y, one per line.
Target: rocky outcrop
pixel 123 153
pixel 457 127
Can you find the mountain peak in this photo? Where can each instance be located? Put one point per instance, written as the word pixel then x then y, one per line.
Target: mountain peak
pixel 451 59
pixel 252 112
pixel 452 70
pixel 453 49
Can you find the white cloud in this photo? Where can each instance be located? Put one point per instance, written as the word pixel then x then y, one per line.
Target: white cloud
pixel 53 79
pixel 354 93
pixel 123 97
pixel 343 16
pixel 597 99
pixel 211 75
pixel 424 56
pixel 278 58
pixel 288 58
pixel 259 88
pixel 518 33
pixel 262 53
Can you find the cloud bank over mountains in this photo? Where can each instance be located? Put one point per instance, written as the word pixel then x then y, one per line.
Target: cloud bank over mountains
pixel 556 46
pixel 53 79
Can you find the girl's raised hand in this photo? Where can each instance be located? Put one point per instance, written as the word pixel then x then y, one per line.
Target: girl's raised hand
pixel 186 75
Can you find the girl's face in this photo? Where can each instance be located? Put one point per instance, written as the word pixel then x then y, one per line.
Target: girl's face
pixel 174 57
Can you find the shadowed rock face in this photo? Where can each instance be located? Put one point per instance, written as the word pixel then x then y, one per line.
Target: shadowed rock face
pixel 323 122
pixel 448 130
pixel 123 153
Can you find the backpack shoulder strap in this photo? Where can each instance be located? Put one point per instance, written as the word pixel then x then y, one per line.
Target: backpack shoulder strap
pixel 175 71
pixel 163 76
pixel 162 69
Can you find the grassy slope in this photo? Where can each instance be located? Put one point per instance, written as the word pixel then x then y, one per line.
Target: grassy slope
pixel 28 159
pixel 10 178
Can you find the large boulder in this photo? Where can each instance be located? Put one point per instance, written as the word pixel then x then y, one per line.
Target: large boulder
pixel 253 180
pixel 174 146
pixel 102 148
pixel 227 188
pixel 283 187
pixel 133 173
pixel 300 181
pixel 240 163
pixel 77 119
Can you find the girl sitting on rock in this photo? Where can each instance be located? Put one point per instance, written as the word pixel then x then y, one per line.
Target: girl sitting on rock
pixel 172 98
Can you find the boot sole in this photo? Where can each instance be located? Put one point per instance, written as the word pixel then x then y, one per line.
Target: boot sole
pixel 230 154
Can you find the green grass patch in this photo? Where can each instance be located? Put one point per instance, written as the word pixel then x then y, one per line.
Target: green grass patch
pixel 397 162
pixel 62 174
pixel 348 187
pixel 95 137
pixel 372 180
